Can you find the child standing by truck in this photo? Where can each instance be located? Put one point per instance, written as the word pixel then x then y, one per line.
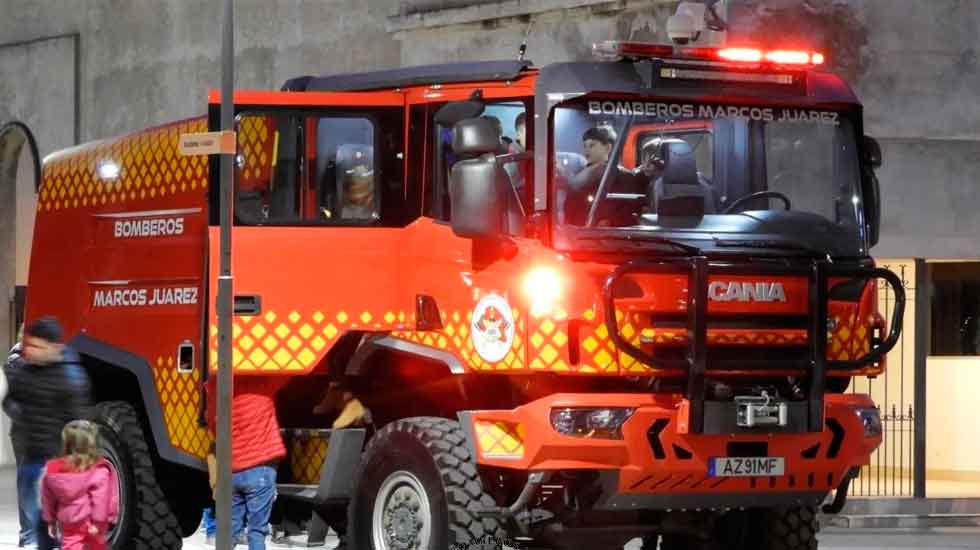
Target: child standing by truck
pixel 80 490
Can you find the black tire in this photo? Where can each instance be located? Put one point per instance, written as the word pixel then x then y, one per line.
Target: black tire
pixel 683 542
pixel 761 529
pixel 790 528
pixel 434 451
pixel 146 521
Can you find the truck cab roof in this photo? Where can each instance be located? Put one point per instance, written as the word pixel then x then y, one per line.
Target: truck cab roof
pixel 420 75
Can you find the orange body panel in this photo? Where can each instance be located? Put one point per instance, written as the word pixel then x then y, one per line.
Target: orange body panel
pixel 120 259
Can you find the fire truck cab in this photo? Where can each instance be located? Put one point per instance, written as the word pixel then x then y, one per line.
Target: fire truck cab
pixel 584 303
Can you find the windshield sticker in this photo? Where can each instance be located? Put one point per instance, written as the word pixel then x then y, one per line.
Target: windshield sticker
pixel 699 111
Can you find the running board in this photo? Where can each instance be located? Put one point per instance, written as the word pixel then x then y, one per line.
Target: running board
pixel 336 477
pixel 307 493
pixel 338 468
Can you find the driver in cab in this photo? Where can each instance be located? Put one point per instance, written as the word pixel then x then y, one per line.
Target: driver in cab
pixel 597 145
pixel 359 194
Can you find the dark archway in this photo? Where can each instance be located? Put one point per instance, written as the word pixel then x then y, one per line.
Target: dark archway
pixel 20 180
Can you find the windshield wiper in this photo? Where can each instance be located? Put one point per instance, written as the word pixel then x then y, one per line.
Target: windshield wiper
pixel 788 244
pixel 686 248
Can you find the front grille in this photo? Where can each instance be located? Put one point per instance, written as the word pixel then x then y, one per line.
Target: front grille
pixel 742 357
pixel 759 321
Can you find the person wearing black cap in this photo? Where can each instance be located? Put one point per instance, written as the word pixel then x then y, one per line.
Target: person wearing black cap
pixel 47 389
pixel 597 145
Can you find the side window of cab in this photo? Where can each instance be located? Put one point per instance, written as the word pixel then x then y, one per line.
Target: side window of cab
pixel 335 168
pixel 267 169
pixel 511 120
pixel 345 189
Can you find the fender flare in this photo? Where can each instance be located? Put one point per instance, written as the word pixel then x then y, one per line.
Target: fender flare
pixel 369 347
pixel 141 370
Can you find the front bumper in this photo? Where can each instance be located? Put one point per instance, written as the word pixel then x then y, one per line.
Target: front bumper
pixel 658 465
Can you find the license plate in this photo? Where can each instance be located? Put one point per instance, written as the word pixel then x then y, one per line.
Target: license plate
pixel 762 466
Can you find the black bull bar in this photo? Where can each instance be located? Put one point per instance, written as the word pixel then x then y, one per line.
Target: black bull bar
pixel 698 269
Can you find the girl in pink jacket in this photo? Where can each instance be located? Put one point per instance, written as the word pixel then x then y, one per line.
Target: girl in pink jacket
pixel 80 491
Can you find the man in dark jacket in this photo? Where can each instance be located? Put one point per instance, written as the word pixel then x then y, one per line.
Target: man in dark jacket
pixel 26 535
pixel 47 388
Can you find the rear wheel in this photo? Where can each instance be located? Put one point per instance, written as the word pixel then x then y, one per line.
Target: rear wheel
pixel 145 519
pixel 418 489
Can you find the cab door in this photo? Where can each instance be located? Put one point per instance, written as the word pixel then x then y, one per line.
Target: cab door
pixel 318 230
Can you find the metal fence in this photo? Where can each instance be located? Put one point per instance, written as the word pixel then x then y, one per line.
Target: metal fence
pixel 892 469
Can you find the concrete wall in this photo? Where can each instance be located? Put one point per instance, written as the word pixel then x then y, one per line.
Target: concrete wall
pixel 145 63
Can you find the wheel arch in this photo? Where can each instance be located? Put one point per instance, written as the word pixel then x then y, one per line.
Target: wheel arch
pixel 118 375
pixel 399 379
pixel 361 362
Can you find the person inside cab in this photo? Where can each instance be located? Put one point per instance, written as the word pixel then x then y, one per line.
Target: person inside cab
pixel 359 194
pixel 597 146
pixel 520 132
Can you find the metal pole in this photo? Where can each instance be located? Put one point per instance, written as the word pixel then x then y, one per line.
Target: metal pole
pixel 923 329
pixel 224 306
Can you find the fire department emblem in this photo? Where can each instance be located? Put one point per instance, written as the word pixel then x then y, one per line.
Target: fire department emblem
pixel 492 329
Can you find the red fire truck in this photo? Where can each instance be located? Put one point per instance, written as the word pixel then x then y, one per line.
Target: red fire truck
pixel 584 303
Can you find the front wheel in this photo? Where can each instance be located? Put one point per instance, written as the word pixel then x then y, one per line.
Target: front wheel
pixel 793 528
pixel 418 489
pixel 146 521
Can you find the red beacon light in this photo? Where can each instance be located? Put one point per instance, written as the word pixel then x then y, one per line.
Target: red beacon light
pixel 616 50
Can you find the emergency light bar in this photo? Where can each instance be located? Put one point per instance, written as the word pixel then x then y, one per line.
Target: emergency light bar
pixel 616 50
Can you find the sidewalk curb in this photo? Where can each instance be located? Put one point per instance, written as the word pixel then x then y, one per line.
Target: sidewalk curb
pixel 901 521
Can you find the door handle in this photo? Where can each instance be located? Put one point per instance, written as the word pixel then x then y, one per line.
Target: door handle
pixel 248 304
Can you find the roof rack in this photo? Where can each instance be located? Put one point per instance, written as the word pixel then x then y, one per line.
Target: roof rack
pixel 446 73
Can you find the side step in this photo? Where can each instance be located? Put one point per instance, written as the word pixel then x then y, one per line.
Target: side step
pixel 336 481
pixel 337 470
pixel 306 493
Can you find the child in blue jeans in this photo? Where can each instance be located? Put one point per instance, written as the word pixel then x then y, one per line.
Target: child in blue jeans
pixel 209 526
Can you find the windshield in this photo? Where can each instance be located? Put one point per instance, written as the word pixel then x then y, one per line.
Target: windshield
pixel 713 174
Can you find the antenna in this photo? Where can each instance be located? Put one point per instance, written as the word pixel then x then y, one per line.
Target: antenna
pixel 523 49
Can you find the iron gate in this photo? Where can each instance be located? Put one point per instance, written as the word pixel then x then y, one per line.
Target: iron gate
pixel 892 471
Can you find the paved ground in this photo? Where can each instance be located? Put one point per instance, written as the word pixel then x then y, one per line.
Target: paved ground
pixel 854 539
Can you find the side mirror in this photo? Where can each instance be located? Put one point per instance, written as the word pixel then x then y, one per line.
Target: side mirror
pixel 872 203
pixel 871 161
pixel 476 185
pixel 872 152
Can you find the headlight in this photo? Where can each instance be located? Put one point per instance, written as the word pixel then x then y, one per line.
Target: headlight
pixel 592 423
pixel 543 287
pixel 870 419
